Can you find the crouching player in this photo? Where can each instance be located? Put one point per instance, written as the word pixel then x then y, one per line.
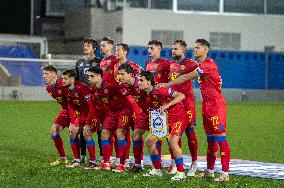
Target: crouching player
pixel 165 99
pixel 117 118
pixel 56 90
pixel 78 96
pixel 140 110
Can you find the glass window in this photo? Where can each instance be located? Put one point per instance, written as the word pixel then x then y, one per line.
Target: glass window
pixel 161 4
pixel 275 7
pixel 138 4
pixel 244 6
pixel 198 5
pixel 224 40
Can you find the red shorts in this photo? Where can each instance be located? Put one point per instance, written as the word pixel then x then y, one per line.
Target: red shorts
pixel 95 123
pixel 78 119
pixel 141 121
pixel 214 117
pixel 62 118
pixel 177 123
pixel 191 117
pixel 118 119
pixel 190 111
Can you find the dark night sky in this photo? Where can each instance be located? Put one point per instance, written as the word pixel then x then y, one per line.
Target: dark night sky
pixel 15 16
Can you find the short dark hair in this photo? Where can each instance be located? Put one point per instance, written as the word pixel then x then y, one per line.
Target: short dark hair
pixel 70 73
pixel 203 42
pixel 148 75
pixel 155 42
pixel 108 40
pixel 91 41
pixel 124 47
pixel 180 42
pixel 96 70
pixel 50 68
pixel 128 68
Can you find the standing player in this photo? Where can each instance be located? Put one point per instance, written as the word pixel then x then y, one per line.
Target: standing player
pixel 181 66
pixel 165 99
pixel 121 51
pixel 109 60
pixel 82 66
pixel 78 96
pixel 159 67
pixel 213 109
pixel 117 118
pixel 107 65
pixel 56 90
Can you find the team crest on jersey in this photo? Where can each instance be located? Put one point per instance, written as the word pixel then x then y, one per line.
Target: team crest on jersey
pixel 182 67
pixel 200 70
pixel 88 97
pixel 156 66
pixel 105 91
pixel 76 95
pixel 170 91
pixel 138 90
pixel 59 92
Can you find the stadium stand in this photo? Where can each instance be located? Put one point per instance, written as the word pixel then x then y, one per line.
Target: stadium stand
pixel 29 72
pixel 239 69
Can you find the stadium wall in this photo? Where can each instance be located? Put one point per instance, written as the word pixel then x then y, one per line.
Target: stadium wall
pixel 256 31
pixel 137 24
pixel 30 93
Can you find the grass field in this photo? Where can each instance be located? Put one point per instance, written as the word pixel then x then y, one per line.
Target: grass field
pixel 255 132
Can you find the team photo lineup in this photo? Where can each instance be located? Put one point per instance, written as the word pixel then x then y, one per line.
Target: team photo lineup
pixel 123 103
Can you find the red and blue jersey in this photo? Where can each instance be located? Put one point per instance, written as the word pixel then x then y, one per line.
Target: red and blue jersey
pixel 179 68
pixel 58 92
pixel 160 68
pixel 135 67
pixel 107 65
pixel 139 95
pixel 78 98
pixel 111 94
pixel 209 80
pixel 158 97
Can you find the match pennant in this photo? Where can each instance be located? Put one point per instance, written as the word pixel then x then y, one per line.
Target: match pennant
pixel 159 124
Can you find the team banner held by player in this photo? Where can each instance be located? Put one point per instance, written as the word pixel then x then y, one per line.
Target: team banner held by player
pixel 158 124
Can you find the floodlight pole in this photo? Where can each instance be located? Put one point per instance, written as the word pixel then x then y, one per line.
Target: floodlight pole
pixel 32 18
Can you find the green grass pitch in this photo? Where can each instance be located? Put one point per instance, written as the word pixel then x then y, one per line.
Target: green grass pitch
pixel 255 132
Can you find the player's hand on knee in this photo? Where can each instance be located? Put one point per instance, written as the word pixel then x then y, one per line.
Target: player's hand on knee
pixel 86 131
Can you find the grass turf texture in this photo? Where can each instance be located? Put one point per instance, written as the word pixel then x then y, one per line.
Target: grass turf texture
pixel 255 132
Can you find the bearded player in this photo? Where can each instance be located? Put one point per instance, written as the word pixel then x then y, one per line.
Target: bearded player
pixel 213 109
